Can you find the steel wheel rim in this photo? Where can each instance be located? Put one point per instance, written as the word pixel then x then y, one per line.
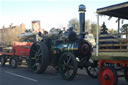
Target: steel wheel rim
pixel 67 67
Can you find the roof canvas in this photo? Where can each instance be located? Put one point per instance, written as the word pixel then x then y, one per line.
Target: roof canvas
pixel 118 10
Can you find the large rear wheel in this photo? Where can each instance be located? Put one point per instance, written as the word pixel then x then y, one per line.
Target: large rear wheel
pixel 38 57
pixel 68 66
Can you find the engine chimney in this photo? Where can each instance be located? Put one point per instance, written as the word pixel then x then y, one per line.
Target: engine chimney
pixel 82 10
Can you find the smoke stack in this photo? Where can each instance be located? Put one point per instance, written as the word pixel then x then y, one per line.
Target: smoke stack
pixel 82 10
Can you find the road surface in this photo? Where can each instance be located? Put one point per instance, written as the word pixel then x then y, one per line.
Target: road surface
pixel 23 76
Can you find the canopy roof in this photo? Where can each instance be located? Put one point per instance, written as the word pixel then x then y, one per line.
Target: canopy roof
pixel 28 34
pixel 118 10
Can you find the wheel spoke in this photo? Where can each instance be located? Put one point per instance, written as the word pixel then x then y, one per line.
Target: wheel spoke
pixel 34 65
pixel 33 58
pixel 71 67
pixel 37 47
pixel 33 50
pixel 92 71
pixel 69 60
pixel 96 71
pixel 66 58
pixel 65 63
pixel 68 73
pixel 39 52
pixel 38 66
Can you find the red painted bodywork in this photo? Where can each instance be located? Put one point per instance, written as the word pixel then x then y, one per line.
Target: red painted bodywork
pixel 19 49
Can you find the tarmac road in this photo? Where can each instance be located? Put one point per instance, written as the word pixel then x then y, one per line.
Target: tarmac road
pixel 23 76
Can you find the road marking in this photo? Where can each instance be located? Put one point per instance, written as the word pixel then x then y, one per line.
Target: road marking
pixel 21 76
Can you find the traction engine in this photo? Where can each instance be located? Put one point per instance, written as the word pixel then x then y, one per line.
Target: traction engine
pixel 66 51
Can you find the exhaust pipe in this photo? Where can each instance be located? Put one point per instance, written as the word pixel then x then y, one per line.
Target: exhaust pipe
pixel 82 10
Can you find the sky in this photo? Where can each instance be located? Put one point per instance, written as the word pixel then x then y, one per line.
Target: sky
pixel 51 13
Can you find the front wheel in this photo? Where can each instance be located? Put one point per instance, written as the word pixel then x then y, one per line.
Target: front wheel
pixel 92 69
pixel 68 66
pixel 13 62
pixel 3 60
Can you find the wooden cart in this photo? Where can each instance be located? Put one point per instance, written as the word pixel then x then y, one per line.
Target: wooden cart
pixel 113 56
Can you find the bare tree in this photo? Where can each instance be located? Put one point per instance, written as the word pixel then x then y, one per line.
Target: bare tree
pixel 124 29
pixel 75 23
pixel 112 31
pixel 87 26
pixel 11 35
pixel 93 29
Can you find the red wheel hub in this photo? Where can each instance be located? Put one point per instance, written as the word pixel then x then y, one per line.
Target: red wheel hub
pixel 107 76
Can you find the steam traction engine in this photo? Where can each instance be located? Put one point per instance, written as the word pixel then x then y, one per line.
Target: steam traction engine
pixel 64 50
